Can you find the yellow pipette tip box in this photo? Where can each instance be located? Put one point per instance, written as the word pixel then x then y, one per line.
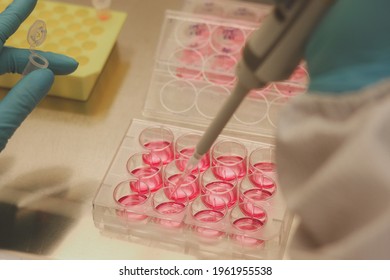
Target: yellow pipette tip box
pixel 76 31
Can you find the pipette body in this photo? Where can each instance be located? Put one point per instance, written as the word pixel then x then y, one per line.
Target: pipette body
pixel 271 54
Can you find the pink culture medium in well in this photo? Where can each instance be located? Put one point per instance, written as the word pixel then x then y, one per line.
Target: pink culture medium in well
pixel 264 166
pixel 131 201
pixel 250 209
pixel 256 195
pixel 189 65
pixel 219 69
pixel 186 153
pixel 194 35
pixel 162 149
pixel 248 224
pixel 299 75
pixel 170 209
pixel 265 183
pixel 289 89
pixel 247 241
pixel 149 179
pixel 229 167
pixel 219 194
pixel 208 217
pixel 188 189
pixel 228 39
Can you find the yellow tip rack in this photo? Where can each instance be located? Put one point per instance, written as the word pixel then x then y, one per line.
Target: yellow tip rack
pixel 75 31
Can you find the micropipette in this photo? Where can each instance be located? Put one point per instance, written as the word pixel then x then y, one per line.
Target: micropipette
pixel 271 54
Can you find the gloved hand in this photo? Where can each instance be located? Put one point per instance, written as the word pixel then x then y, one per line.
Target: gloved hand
pixel 350 48
pixel 29 91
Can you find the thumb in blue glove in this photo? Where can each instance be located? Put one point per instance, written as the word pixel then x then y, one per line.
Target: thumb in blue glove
pixel 30 90
pixel 350 49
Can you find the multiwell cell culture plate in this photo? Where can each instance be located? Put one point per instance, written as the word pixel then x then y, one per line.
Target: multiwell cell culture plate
pixel 75 31
pixel 268 243
pixel 194 74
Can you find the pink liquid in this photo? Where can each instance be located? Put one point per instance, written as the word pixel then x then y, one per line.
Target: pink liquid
pixel 264 166
pixel 220 70
pixel 289 89
pixel 186 153
pixel 130 201
pixel 170 209
pixel 299 75
pixel 256 195
pixel 228 40
pixel 149 178
pixel 163 149
pixel 197 35
pixel 190 62
pixel 247 241
pixel 219 195
pixel 220 79
pixel 208 232
pixel 104 14
pixel 187 73
pixel 249 208
pixel 168 223
pixel 208 216
pixel 265 183
pixel 229 167
pixel 248 224
pixel 188 189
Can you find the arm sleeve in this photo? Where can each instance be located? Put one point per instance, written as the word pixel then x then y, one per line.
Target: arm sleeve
pixel 333 159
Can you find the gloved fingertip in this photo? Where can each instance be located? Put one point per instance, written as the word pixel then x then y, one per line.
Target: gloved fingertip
pixel 37 82
pixel 72 63
pixel 45 75
pixel 61 64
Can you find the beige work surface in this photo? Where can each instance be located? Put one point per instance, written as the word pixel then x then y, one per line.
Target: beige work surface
pixel 68 145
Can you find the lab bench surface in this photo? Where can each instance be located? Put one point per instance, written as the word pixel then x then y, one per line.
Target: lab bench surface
pixel 68 145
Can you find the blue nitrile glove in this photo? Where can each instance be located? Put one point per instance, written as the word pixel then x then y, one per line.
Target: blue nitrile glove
pixel 29 91
pixel 350 48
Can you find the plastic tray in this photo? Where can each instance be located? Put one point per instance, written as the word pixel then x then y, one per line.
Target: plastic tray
pixel 195 72
pixel 230 10
pixel 272 236
pixel 185 95
pixel 76 31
